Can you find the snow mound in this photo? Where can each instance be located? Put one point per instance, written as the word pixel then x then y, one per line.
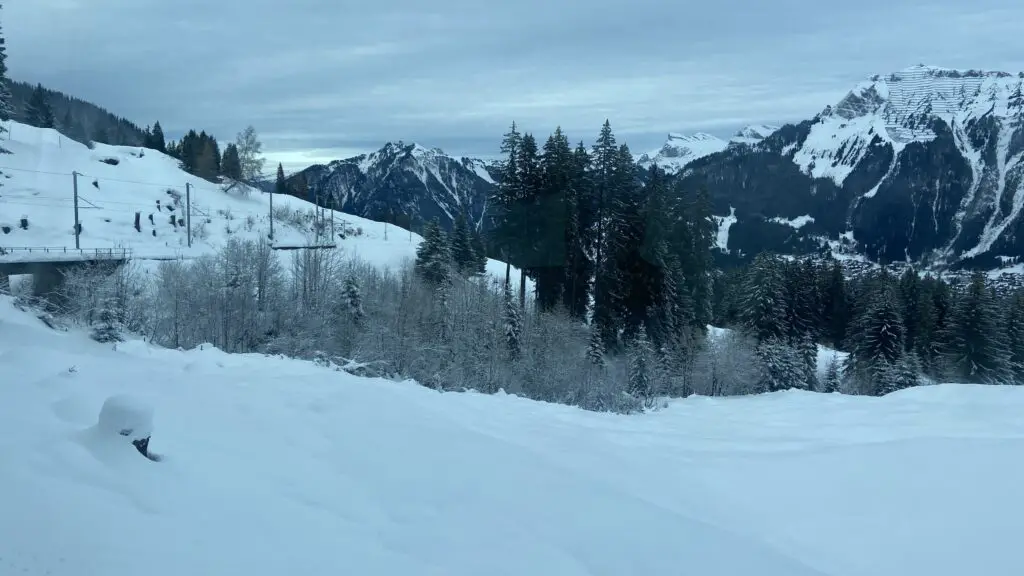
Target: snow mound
pixel 127 416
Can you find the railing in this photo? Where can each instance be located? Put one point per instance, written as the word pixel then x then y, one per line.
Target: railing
pixel 85 253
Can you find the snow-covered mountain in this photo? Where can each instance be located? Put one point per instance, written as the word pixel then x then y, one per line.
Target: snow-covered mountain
pixel 404 183
pixel 679 150
pixel 923 165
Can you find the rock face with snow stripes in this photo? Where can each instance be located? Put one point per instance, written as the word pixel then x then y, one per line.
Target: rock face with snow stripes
pixel 405 184
pixel 925 165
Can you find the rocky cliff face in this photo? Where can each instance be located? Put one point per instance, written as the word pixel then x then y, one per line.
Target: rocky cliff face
pixel 925 165
pixel 405 184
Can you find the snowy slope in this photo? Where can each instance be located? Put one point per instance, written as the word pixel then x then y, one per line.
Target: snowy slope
pixel 273 466
pixel 679 150
pixel 36 184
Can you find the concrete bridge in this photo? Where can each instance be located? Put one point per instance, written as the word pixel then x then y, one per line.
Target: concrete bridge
pixel 47 265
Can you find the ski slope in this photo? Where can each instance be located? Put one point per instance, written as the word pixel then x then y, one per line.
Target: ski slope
pixel 273 466
pixel 36 184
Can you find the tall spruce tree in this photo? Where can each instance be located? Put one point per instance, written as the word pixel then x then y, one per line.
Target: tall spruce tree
pixel 230 166
pixel 1015 335
pixel 763 301
pixel 605 161
pixel 581 220
pixel 976 345
pixel 462 246
pixel 38 112
pixel 835 313
pixel 479 263
pixel 641 368
pixel 158 141
pixel 6 98
pixel 878 335
pixel 505 197
pixel 513 325
pixel 433 256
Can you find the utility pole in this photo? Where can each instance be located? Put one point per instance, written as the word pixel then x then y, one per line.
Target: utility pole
pixel 332 225
pixel 271 215
pixel 78 226
pixel 188 212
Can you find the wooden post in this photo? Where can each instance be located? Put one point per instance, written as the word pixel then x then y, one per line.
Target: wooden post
pixel 188 212
pixel 78 226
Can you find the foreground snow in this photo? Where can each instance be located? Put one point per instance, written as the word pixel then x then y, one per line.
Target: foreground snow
pixel 273 466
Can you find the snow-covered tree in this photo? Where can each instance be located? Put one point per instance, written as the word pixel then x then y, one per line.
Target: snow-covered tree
pixel 250 155
pixel 513 325
pixel 354 301
pixel 977 345
pixel 832 378
pixel 433 255
pixel 6 99
pixel 642 368
pixel 38 112
pixel 763 302
pixel 462 247
pixel 781 366
pixel 107 327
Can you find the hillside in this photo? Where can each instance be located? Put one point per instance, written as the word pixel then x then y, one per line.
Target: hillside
pixel 88 121
pixel 115 183
pixel 925 165
pixel 342 474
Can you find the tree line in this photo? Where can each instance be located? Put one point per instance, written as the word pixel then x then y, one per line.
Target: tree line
pixel 899 330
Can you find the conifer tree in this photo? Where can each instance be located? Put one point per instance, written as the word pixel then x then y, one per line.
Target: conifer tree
pixel 976 344
pixel 462 247
pixel 910 296
pixel 479 263
pixel 38 112
pixel 108 327
pixel 781 366
pixel 158 141
pixel 580 221
pixel 877 339
pixel 513 325
pixel 1015 335
pixel 506 194
pixel 763 305
pixel 433 256
pixel 605 161
pixel 641 368
pixel 6 99
pixel 595 349
pixel 835 306
pixel 230 166
pixel 832 380
pixel 354 301
pixel 281 184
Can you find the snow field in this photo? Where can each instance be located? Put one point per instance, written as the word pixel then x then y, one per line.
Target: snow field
pixel 273 465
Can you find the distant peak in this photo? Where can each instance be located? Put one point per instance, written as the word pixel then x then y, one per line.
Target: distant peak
pixel 697 137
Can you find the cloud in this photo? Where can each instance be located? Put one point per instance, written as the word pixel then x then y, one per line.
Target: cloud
pixel 321 77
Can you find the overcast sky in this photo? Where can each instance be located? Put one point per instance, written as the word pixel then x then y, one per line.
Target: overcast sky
pixel 322 79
